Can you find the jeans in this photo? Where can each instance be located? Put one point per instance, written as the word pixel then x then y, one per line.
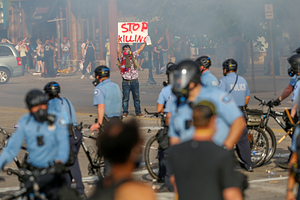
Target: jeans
pixel 132 86
pixel 49 66
pixel 107 60
pixel 65 59
pixel 165 58
pixel 86 64
pixel 36 65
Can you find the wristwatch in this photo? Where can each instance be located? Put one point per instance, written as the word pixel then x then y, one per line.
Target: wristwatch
pixel 289 190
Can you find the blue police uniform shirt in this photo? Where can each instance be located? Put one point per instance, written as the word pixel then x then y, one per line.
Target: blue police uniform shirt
pixel 53 143
pixel 61 106
pixel 109 94
pixel 208 79
pixel 227 112
pixel 240 90
pixel 164 97
pixel 295 83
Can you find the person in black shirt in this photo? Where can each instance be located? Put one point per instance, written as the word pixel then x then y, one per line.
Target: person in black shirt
pixel 89 58
pixel 158 56
pixel 48 58
pixel 201 169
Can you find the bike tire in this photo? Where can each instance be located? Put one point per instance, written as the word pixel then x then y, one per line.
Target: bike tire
pixel 272 142
pixel 261 139
pixel 147 155
pixel 100 171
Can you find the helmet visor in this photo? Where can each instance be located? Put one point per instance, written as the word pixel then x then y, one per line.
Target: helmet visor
pixel 181 78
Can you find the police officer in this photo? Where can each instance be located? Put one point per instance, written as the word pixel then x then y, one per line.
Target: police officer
pixel 166 92
pixel 207 78
pixel 238 88
pixel 107 98
pixel 294 175
pixel 293 87
pixel 187 91
pixel 47 142
pixel 162 106
pixel 64 107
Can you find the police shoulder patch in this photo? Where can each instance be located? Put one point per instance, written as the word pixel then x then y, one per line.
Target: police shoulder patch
pixel 96 92
pixel 226 98
pixel 62 122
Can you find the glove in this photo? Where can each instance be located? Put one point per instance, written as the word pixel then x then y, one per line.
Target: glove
pixel 275 103
pixel 59 168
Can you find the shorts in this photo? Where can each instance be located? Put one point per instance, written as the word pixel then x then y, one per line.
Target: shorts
pixel 39 58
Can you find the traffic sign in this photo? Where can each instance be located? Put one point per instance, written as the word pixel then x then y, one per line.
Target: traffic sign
pixel 269 11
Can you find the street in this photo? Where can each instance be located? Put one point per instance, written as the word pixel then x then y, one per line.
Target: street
pixel 266 182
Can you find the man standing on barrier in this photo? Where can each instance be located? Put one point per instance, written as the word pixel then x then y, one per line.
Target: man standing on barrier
pixel 47 141
pixel 207 78
pixel 237 86
pixel 64 107
pixel 293 87
pixel 187 91
pixel 107 98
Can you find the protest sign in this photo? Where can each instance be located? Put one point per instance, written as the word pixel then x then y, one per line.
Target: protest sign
pixel 132 32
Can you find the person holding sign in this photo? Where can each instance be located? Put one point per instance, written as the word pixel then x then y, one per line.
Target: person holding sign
pixel 129 71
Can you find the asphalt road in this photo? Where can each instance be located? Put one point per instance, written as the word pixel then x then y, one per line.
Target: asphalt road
pixel 266 182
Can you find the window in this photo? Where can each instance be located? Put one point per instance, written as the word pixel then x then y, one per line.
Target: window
pixel 5 51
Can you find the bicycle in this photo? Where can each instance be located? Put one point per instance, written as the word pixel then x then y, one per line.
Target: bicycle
pixel 263 125
pixel 152 150
pixel 32 190
pixel 96 165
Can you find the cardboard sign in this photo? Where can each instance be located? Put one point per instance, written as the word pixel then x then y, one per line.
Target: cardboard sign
pixel 132 32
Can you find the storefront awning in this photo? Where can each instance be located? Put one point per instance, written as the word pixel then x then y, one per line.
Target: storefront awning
pixel 41 10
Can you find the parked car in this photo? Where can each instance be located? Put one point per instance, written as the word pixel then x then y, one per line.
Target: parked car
pixel 10 63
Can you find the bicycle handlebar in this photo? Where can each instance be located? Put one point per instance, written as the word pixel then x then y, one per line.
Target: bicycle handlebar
pixel 156 114
pixel 23 172
pixel 263 102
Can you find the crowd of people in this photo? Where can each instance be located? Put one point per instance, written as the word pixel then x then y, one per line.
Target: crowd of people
pixel 205 120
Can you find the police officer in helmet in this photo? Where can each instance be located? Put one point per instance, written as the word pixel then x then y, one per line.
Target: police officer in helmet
pixel 188 91
pixel 292 88
pixel 65 108
pixel 107 98
pixel 47 142
pixel 238 88
pixel 207 78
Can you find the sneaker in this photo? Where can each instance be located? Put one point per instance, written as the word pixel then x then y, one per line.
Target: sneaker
pixel 82 77
pixel 140 115
pixel 91 77
pixel 250 169
pixel 284 165
pixel 125 114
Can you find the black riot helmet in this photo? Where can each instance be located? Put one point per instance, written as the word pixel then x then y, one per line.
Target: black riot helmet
pixel 204 61
pixel 184 73
pixel 52 89
pixel 229 65
pixel 170 66
pixel 35 97
pixel 294 61
pixel 102 71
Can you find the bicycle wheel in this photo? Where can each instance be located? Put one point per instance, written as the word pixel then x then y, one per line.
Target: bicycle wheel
pixel 100 171
pixel 151 157
pixel 259 147
pixel 272 142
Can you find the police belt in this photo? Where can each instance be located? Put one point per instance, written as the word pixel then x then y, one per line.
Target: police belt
pixel 130 80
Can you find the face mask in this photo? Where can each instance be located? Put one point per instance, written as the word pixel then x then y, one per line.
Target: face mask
pixel 41 115
pixel 96 82
pixel 128 51
pixel 182 96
